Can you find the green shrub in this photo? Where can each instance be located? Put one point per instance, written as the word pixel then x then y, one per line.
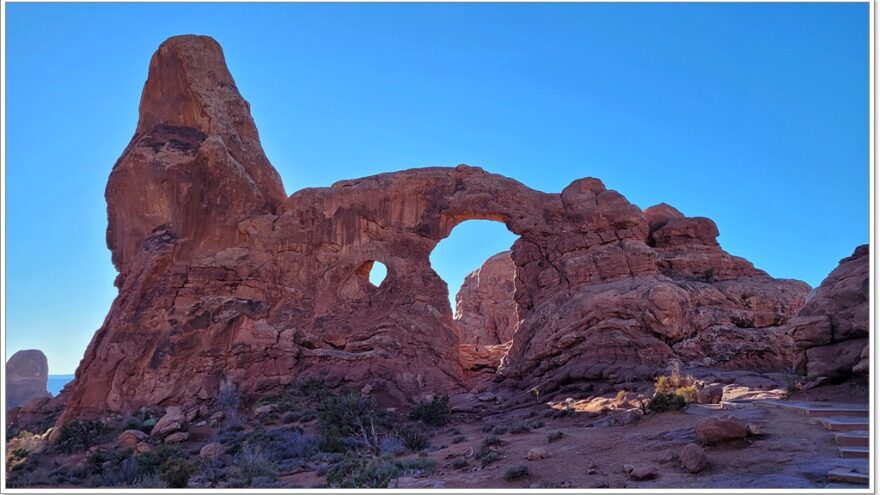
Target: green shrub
pixel 459 463
pixel 662 402
pixel 517 472
pixel 312 387
pixel 342 416
pixel 252 463
pixel 142 420
pixel 412 438
pixel 554 436
pixel 458 439
pixel 375 472
pixel 176 473
pixel 79 435
pixel 435 413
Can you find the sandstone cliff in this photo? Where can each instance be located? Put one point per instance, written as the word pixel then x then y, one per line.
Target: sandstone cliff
pixel 832 328
pixel 485 312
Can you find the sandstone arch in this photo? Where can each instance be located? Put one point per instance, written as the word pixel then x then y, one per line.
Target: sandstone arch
pixel 222 278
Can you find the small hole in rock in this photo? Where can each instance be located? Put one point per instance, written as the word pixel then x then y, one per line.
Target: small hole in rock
pixel 378 273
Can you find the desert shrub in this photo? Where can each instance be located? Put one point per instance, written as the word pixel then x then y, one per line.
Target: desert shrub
pixel 253 464
pixel 517 472
pixel 149 481
pixel 229 399
pixel 436 412
pixel 709 275
pixel 375 472
pixel 689 393
pixel 391 445
pixel 536 424
pixel 518 426
pixel 342 416
pixel 492 440
pixel 486 455
pixel 554 436
pixel 499 430
pixel 667 384
pixel 142 420
pixel 458 439
pixel 311 387
pixel 176 474
pixel 19 453
pixel 662 402
pixel 459 463
pixel 291 417
pixel 621 395
pixel 167 463
pixel 412 438
pixel 79 435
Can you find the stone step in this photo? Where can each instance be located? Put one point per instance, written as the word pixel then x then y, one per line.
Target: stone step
pixel 854 452
pixel 844 423
pixel 819 409
pixel 851 439
pixel 847 476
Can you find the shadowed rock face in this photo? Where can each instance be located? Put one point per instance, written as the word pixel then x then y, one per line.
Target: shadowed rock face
pixel 27 375
pixel 222 278
pixel 485 312
pixel 832 328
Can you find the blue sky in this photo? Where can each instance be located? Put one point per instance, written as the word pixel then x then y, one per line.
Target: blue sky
pixel 755 115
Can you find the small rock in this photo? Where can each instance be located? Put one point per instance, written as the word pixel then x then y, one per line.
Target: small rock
pixel 201 423
pixel 143 448
pixel 693 458
pixel 486 397
pixel 592 468
pixel 216 418
pixel 536 454
pixel 212 450
pixel 192 414
pixel 180 436
pixel 819 380
pixel 265 409
pixel 754 429
pixel 54 433
pixel 48 435
pixel 720 429
pixel 642 473
pixel 129 439
pixel 627 468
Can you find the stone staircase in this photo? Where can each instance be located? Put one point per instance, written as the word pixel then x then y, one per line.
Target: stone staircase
pixel 850 425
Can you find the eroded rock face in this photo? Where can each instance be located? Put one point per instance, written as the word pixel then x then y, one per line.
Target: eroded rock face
pixel 223 280
pixel 485 311
pixel 832 328
pixel 27 376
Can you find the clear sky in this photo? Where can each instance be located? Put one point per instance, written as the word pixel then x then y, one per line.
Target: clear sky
pixel 755 115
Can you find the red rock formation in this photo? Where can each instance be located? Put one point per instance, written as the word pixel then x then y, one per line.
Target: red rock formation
pixel 223 280
pixel 485 312
pixel 27 375
pixel 832 328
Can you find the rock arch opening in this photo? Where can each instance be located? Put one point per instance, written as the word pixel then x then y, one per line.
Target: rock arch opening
pixel 474 261
pixel 378 272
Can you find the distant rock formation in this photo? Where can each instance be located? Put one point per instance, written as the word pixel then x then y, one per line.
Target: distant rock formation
pixel 224 280
pixel 485 312
pixel 832 328
pixel 27 373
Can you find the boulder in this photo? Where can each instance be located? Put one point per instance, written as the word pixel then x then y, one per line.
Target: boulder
pixel 710 394
pixel 715 429
pixel 537 453
pixel 212 450
pixel 643 473
pixel 693 458
pixel 27 376
pixel 129 439
pixel 179 437
pixel 172 422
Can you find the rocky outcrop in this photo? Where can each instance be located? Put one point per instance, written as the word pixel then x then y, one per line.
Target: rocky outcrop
pixel 223 280
pixel 485 312
pixel 832 328
pixel 27 374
